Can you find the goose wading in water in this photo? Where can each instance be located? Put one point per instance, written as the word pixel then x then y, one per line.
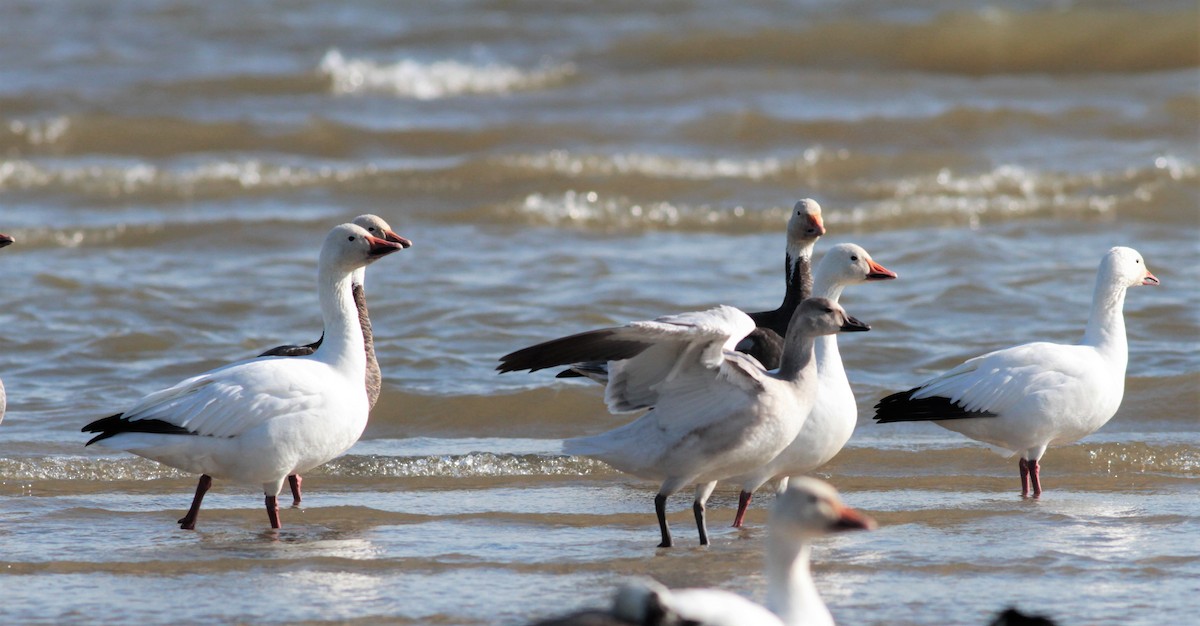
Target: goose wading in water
pixel 714 412
pixel 835 411
pixel 5 241
pixel 259 420
pixel 377 227
pixel 1026 398
pixel 765 342
pixel 806 510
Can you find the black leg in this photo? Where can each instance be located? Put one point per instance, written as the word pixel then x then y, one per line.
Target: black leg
pixel 698 510
pixel 660 507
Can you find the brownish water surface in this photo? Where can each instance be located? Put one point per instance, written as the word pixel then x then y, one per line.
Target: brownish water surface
pixel 169 168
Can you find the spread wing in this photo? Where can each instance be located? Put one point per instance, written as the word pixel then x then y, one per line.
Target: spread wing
pixel 684 350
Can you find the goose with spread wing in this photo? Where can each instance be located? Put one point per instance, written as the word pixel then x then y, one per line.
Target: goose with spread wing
pixel 714 412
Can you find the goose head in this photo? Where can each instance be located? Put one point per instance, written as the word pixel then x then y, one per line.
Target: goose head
pixel 377 227
pixel 822 316
pixel 804 227
pixel 811 508
pixel 348 247
pixel 850 264
pixel 1126 268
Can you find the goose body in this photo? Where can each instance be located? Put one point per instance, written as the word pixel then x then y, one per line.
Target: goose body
pixel 1029 397
pixel 835 412
pixel 714 412
pixel 376 227
pixel 259 420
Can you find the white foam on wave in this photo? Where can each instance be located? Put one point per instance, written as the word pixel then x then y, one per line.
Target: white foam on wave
pixel 437 79
pixel 658 166
pixel 130 178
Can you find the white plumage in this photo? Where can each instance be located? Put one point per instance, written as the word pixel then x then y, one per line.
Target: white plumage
pixel 835 411
pixel 1026 398
pixel 715 412
pixel 259 420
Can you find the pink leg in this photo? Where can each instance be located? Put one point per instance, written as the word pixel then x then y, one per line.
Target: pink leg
pixel 1024 465
pixel 743 504
pixel 188 522
pixel 273 511
pixel 294 481
pixel 1035 478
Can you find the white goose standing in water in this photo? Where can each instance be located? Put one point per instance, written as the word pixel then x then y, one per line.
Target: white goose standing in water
pixel 1029 397
pixel 377 227
pixel 714 412
pixel 260 420
pixel 5 241
pixel 835 411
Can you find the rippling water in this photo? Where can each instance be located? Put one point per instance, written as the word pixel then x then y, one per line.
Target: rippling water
pixel 169 168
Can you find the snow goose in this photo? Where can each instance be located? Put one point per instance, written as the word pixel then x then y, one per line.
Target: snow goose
pixel 765 342
pixel 5 241
pixel 377 227
pixel 714 412
pixel 1026 398
pixel 262 419
pixel 835 412
pixel 806 510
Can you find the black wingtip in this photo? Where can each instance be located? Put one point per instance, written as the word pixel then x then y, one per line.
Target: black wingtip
pixel 902 407
pixel 116 424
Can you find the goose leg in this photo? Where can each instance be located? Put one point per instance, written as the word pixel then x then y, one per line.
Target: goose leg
pixel 702 494
pixel 188 522
pixel 743 504
pixel 660 508
pixel 1035 478
pixel 273 511
pixel 294 481
pixel 1023 465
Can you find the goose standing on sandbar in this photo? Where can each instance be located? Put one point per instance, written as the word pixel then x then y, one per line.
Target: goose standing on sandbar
pixel 377 227
pixel 765 342
pixel 1026 398
pixel 714 412
pixel 835 412
pixel 5 241
pixel 260 420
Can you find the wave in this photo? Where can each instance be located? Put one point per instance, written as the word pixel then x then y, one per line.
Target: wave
pixel 991 40
pixel 436 80
pixel 474 464
pixel 628 191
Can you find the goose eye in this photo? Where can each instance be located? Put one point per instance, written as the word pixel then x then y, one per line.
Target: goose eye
pixel 853 257
pixel 350 238
pixel 371 229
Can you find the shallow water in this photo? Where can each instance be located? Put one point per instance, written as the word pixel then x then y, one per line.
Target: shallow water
pixel 169 168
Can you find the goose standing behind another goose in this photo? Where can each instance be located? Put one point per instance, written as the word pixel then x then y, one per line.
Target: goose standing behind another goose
pixel 262 419
pixel 835 411
pixel 5 241
pixel 1036 395
pixel 714 412
pixel 765 342
pixel 377 227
